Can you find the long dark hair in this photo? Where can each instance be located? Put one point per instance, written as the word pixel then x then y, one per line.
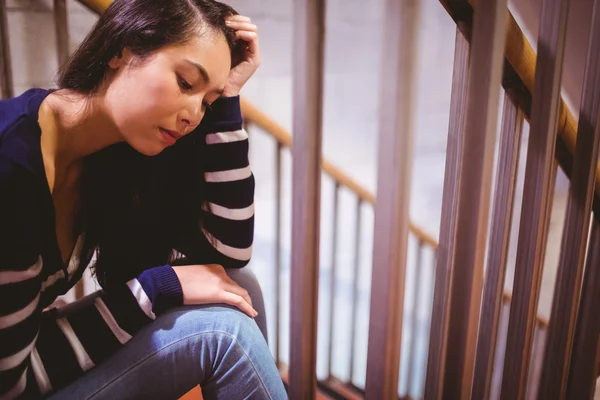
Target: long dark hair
pixel 136 209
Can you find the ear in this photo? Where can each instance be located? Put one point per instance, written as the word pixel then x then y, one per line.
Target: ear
pixel 121 59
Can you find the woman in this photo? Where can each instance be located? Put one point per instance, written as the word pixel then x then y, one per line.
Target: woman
pixel 137 161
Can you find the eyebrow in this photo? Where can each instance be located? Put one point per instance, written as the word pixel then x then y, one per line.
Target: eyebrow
pixel 204 74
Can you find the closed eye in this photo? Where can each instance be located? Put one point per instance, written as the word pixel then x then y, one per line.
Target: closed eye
pixel 183 83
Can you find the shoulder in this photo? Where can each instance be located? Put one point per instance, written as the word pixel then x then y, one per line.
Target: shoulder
pixel 22 195
pixel 21 164
pixel 20 132
pixel 21 108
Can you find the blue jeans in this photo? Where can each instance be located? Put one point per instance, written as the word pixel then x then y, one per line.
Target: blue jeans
pixel 218 347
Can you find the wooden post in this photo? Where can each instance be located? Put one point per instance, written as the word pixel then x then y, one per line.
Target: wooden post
pixel 393 188
pixel 309 31
pixel 577 221
pixel 6 83
pixel 537 194
pixel 584 367
pixel 474 187
pixel 508 160
pixel 334 245
pixel 61 23
pixel 443 272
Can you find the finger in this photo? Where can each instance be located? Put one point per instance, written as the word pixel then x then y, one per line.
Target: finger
pixel 240 291
pixel 241 18
pixel 242 26
pixel 239 302
pixel 252 39
pixel 246 36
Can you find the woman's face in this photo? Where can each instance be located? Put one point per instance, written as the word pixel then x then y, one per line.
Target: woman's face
pixel 164 97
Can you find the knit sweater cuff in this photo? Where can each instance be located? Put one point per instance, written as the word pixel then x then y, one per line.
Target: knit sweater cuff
pixel 162 288
pixel 225 114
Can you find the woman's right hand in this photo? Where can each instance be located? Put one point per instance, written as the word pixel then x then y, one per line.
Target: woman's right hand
pixel 210 284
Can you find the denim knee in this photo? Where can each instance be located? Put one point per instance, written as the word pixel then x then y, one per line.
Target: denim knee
pixel 218 317
pixel 231 350
pixel 209 321
pixel 217 347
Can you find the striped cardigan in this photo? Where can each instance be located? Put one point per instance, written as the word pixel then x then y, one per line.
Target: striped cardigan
pixel 42 351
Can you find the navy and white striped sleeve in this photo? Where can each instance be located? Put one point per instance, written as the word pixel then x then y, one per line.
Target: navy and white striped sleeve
pixel 45 351
pixel 75 338
pixel 20 283
pixel 227 230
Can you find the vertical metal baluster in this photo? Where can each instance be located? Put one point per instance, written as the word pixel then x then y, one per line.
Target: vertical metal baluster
pixel 332 277
pixel 500 349
pixel 537 357
pixel 278 253
pixel 429 308
pixel 6 80
pixel 413 336
pixel 357 233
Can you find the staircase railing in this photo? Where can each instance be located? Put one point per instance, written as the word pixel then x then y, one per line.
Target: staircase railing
pixel 526 76
pixel 519 77
pixel 257 121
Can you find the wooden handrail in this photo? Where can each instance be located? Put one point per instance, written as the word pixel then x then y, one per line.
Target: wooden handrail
pixel 542 321
pixel 520 55
pixel 255 116
pixel 97 6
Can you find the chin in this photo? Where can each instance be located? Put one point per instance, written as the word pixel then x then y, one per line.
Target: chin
pixel 156 150
pixel 148 149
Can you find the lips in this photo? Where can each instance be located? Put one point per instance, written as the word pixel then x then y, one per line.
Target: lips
pixel 169 136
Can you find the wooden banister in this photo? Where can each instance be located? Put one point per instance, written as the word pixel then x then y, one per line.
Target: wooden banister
pixel 97 6
pixel 254 116
pixel 258 118
pixel 542 321
pixel 520 55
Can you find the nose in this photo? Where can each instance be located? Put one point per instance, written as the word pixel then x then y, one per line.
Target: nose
pixel 187 126
pixel 191 116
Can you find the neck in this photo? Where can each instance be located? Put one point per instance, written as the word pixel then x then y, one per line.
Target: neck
pixel 73 127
